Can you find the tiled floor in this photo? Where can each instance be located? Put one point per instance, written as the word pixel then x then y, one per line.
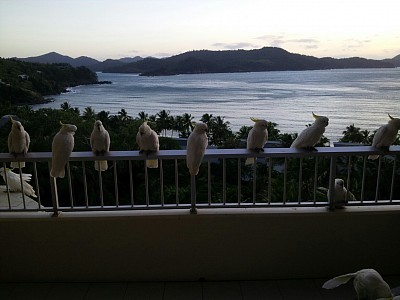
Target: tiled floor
pixel 309 289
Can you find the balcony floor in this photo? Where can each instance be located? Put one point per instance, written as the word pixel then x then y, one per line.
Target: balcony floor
pixel 229 290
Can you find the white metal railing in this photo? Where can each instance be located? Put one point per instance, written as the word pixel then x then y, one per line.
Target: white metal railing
pixel 282 177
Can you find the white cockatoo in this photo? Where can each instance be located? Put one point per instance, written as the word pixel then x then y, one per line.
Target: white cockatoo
pixel 14 182
pixel 18 142
pixel 368 284
pixel 310 136
pixel 257 138
pixel 62 146
pixel 196 147
pixel 100 143
pixel 341 195
pixel 147 139
pixel 385 135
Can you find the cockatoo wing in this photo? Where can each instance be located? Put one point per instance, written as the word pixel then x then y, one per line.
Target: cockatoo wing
pixel 196 147
pixel 339 280
pixel 62 147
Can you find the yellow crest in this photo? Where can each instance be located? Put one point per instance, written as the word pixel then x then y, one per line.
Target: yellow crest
pixel 315 116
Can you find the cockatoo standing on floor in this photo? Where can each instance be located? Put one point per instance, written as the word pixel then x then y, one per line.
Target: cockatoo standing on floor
pixel 18 142
pixel 310 136
pixel 14 182
pixel 257 138
pixel 368 284
pixel 385 135
pixel 196 147
pixel 62 146
pixel 100 143
pixel 341 196
pixel 147 139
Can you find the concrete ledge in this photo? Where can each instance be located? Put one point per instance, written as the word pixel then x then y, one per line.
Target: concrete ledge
pixel 215 244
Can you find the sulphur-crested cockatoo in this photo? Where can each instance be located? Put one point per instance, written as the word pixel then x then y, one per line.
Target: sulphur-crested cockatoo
pixel 368 284
pixel 18 142
pixel 385 135
pixel 148 142
pixel 196 147
pixel 310 136
pixel 14 182
pixel 62 146
pixel 100 143
pixel 257 138
pixel 341 195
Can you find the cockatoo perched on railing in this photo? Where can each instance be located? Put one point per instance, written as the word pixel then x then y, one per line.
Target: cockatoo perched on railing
pixel 147 139
pixel 18 142
pixel 196 147
pixel 341 194
pixel 14 182
pixel 385 135
pixel 257 138
pixel 368 284
pixel 62 146
pixel 100 143
pixel 310 136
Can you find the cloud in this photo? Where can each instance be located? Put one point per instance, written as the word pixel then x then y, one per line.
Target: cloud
pixel 281 39
pixel 234 46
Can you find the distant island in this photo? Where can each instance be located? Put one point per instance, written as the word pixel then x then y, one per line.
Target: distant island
pixel 29 80
pixel 29 83
pixel 227 61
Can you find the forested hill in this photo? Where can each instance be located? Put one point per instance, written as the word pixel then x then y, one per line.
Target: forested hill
pixel 27 83
pixel 264 59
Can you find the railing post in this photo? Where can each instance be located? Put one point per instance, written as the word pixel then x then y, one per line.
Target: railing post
pixel 332 176
pixel 54 196
pixel 193 209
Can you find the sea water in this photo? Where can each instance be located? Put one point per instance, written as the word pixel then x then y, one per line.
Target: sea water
pixel 362 97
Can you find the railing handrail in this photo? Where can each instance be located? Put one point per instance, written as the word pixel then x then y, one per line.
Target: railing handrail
pixel 209 154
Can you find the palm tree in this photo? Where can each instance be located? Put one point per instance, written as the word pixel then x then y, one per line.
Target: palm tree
pixel 89 113
pixel 123 115
pixel 143 116
pixel 164 121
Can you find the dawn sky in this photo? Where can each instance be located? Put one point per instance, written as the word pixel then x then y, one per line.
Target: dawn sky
pixel 125 28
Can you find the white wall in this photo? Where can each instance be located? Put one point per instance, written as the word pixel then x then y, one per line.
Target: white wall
pixel 215 244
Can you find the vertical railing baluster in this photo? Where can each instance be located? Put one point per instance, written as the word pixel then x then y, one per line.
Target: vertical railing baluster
pixel 348 178
pixel 209 183
pixel 131 182
pixel 332 176
pixel 85 184
pixel 37 185
pixel 101 189
pixel 161 182
pixel 378 179
pixel 393 176
pixel 269 180
pixel 224 181
pixel 315 178
pixel 363 179
pixel 176 183
pixel 116 183
pixel 22 185
pixel 146 183
pixel 54 194
pixel 285 180
pixel 300 180
pixel 239 181
pixel 7 186
pixel 71 196
pixel 193 209
pixel 254 182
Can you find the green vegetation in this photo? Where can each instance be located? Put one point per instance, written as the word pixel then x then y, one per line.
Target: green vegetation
pixel 27 83
pixel 43 124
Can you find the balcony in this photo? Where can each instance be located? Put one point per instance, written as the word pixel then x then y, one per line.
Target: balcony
pixel 231 222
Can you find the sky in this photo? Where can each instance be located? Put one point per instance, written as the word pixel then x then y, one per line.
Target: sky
pixel 104 29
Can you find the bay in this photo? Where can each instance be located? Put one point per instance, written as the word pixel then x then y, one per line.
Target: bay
pixel 362 97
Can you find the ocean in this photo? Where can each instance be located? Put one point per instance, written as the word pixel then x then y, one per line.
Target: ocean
pixel 362 97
